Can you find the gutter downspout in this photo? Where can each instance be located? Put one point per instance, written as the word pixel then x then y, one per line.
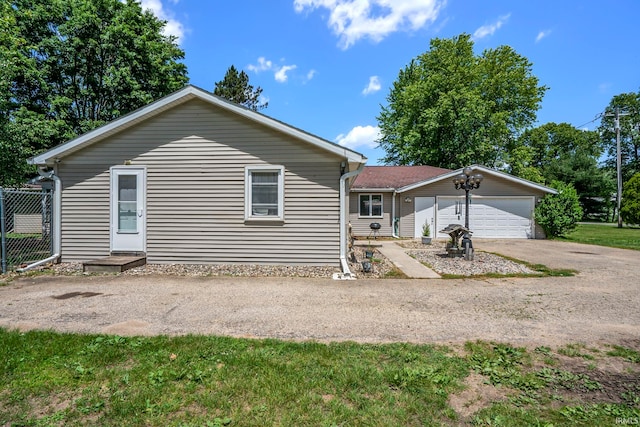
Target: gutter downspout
pixel 55 226
pixel 393 215
pixel 346 273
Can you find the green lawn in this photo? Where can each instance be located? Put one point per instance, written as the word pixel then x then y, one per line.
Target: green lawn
pixel 51 379
pixel 606 235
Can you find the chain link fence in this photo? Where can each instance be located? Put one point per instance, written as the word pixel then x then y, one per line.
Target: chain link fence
pixel 25 226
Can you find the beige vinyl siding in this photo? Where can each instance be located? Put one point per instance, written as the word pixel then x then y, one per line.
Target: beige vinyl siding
pixel 360 225
pixel 85 212
pixel 195 157
pixel 491 186
pixel 406 213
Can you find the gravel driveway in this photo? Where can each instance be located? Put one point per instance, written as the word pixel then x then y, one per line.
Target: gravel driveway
pixel 600 304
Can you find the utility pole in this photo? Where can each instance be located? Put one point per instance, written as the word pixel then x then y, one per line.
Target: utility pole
pixel 616 122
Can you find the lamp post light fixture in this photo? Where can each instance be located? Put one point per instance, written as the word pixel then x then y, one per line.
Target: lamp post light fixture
pixel 467 181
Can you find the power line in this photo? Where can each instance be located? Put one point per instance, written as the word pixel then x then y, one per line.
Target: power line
pixel 597 117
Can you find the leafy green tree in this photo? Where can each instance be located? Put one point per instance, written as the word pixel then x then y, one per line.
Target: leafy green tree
pixel 630 207
pixel 628 103
pixel 450 108
pixel 552 140
pixel 521 164
pixel 558 214
pixel 12 152
pixel 74 65
pixel 235 87
pixel 560 152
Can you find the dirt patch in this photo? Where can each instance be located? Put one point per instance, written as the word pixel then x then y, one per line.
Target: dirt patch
pixel 598 378
pixel 128 328
pixel 477 394
pixel 49 405
pixel 588 376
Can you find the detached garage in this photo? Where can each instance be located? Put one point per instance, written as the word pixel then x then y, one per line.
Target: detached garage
pixel 407 197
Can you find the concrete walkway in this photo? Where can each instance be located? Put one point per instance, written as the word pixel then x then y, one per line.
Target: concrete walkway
pixel 409 266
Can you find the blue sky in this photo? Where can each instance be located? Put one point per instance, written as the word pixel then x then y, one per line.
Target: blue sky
pixel 326 66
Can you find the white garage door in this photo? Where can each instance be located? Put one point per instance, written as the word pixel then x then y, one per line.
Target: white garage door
pixel 497 217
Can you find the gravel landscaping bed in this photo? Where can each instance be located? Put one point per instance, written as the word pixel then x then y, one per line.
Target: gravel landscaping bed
pixel 434 256
pixel 483 263
pixel 200 270
pixel 381 268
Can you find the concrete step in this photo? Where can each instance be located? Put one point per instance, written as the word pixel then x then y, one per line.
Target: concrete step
pixel 113 264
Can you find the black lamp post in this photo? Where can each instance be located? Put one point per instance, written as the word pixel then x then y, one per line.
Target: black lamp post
pixel 466 181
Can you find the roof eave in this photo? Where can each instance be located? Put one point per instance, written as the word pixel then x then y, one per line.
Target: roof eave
pixel 482 169
pixel 373 189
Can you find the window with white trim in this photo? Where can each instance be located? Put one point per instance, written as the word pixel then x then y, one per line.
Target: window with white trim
pixel 264 192
pixel 371 205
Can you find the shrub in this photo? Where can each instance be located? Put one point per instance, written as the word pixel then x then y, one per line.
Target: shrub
pixel 558 214
pixel 630 203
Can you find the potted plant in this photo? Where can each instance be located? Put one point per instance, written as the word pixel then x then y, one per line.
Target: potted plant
pixel 426 234
pixel 368 252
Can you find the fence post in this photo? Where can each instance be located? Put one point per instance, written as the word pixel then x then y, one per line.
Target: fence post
pixel 3 234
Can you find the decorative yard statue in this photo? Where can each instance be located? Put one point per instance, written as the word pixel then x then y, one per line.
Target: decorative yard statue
pixel 455 248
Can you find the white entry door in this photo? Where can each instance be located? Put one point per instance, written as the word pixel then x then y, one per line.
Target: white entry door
pixel 128 215
pixel 424 214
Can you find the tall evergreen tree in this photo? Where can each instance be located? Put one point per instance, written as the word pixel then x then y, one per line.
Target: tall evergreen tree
pixel 235 87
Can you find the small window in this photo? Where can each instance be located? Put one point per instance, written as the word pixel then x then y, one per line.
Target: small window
pixel 264 192
pixel 371 205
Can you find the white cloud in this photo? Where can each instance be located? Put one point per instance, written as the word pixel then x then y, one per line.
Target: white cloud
pixel 311 74
pixel 489 29
pixel 352 20
pixel 373 86
pixel 263 65
pixel 542 34
pixel 281 74
pixel 360 136
pixel 173 26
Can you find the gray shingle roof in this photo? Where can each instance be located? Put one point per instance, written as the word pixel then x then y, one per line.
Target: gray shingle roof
pixel 395 176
